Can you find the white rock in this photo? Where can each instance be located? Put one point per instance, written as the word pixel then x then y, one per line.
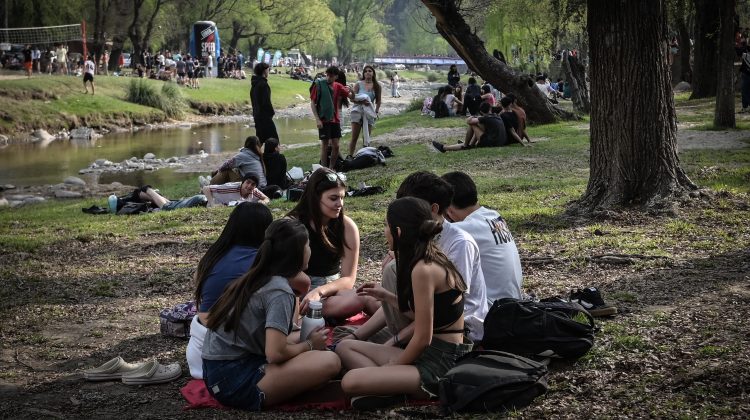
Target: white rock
pixel 683 87
pixel 85 171
pixel 4 139
pixel 173 159
pixel 148 168
pixel 7 187
pixel 108 163
pixel 131 164
pixel 4 202
pixel 100 162
pixel 133 159
pixel 115 184
pixel 14 203
pixel 43 135
pixel 18 197
pixel 67 194
pixel 149 156
pixel 72 180
pixel 33 200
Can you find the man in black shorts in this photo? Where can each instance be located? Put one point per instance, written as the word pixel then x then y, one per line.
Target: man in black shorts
pixel 487 130
pixel 325 101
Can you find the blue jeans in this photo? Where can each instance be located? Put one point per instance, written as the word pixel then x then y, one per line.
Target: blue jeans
pixel 316 281
pixel 234 383
pixel 745 89
pixel 194 201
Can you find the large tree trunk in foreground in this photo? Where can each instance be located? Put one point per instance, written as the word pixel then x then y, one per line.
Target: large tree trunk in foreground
pixel 633 146
pixel 706 49
pixel 575 74
pixel 452 26
pixel 724 112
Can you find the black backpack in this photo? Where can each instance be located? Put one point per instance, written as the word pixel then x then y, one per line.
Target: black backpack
pixel 548 329
pixel 491 381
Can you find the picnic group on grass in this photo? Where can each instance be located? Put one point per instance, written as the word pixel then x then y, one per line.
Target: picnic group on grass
pixel 448 258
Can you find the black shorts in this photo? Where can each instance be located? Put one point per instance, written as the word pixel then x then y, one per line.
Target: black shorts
pixel 190 74
pixel 88 77
pixel 265 129
pixel 329 131
pixel 181 74
pixel 485 141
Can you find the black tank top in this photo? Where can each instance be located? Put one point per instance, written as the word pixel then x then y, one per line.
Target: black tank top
pixel 445 312
pixel 323 261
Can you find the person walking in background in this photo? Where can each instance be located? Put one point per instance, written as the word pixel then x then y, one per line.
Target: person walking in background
pixel 395 84
pixel 260 98
pixel 89 68
pixel 28 61
pixel 62 59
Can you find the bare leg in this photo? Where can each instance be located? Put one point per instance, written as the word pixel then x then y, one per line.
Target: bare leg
pixel 384 380
pixel 469 135
pixel 324 152
pixel 346 303
pixel 478 131
pixel 304 372
pixel 356 128
pixel 334 153
pixel 153 197
pixel 360 354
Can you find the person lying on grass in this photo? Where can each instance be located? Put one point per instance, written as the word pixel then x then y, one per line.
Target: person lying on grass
pixel 428 285
pixel 487 130
pixel 233 193
pixel 249 360
pixel 148 194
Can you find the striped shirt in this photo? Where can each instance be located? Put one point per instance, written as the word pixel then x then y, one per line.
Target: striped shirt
pixel 229 194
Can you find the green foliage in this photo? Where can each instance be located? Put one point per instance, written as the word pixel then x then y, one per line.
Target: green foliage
pixel 170 100
pixel 143 93
pixel 432 77
pixel 415 105
pixel 360 31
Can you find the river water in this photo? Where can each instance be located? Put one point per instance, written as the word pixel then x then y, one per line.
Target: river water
pixel 39 164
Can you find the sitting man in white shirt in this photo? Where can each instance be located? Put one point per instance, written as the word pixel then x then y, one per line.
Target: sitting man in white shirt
pixel 501 264
pixel 457 245
pixel 233 193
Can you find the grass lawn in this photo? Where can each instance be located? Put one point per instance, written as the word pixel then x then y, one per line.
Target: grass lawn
pixel 83 289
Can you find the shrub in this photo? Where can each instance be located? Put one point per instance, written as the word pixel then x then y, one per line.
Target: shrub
pixel 432 77
pixel 415 104
pixel 172 101
pixel 142 93
pixel 388 74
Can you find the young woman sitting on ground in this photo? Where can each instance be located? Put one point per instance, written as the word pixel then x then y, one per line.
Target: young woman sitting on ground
pixel 334 241
pixel 226 260
pixel 249 360
pixel 429 285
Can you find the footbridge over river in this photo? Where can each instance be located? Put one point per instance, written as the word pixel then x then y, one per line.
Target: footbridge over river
pixel 424 60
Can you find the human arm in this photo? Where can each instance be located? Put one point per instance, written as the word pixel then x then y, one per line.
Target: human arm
pixel 349 264
pixel 278 350
pixel 423 285
pixel 209 196
pixel 262 198
pixel 378 292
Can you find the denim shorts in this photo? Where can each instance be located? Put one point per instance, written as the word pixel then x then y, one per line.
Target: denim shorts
pixel 194 201
pixel 234 383
pixel 436 360
pixel 316 281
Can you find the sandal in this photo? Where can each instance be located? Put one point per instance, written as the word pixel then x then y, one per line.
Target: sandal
pixel 153 373
pixel 113 369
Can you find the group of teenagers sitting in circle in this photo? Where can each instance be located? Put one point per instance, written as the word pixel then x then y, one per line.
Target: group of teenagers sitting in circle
pixel 439 278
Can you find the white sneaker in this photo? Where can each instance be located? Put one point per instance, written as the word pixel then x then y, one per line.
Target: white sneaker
pixel 203 181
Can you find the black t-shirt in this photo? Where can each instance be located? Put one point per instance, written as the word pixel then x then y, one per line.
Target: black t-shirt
pixel 27 55
pixel 494 131
pixel 511 122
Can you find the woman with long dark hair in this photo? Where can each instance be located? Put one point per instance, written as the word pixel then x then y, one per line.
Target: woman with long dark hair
pixel 334 242
pixel 248 161
pixel 430 287
pixel 226 260
pixel 260 98
pixel 453 76
pixel 249 362
pixel 364 107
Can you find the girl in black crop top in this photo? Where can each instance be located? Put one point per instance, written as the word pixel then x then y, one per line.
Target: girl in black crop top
pixel 429 286
pixel 334 246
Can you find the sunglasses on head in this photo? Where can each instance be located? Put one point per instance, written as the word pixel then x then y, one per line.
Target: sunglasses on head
pixel 333 177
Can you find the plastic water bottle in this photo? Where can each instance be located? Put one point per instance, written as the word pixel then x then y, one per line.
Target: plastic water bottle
pixel 112 201
pixel 313 320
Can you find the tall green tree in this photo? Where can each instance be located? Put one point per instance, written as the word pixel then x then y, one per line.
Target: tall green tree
pixel 359 29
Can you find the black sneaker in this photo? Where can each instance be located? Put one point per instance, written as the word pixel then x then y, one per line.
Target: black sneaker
pixel 438 146
pixel 591 299
pixel 376 402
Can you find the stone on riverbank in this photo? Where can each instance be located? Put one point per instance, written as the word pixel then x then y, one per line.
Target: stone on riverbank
pixel 67 194
pixel 149 156
pixel 4 202
pixel 43 135
pixel 73 180
pixel 7 187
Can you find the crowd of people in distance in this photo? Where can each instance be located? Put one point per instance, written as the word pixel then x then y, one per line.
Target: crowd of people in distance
pixel 448 258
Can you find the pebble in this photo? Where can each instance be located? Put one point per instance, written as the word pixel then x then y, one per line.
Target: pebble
pixel 67 194
pixel 4 202
pixel 149 156
pixel 72 180
pixel 7 187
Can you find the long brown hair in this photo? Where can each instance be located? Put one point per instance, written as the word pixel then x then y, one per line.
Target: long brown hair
pixel 280 254
pixel 415 243
pixel 246 226
pixel 308 211
pixel 375 84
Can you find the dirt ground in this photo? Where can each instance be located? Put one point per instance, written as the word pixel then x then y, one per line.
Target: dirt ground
pixel 680 342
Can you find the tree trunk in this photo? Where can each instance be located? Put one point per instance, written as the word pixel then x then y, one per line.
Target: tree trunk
pixel 706 49
pixel 724 113
pixel 633 146
pixel 575 74
pixel 454 29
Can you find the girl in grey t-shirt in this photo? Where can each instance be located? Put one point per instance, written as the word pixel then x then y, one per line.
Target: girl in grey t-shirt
pixel 249 360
